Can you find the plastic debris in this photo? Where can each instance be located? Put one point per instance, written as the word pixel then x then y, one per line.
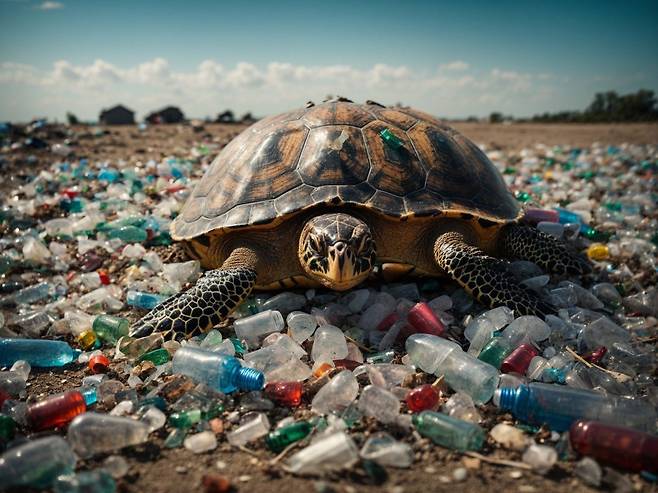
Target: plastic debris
pixel 85 249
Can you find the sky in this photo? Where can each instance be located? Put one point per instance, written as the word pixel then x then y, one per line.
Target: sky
pixel 451 59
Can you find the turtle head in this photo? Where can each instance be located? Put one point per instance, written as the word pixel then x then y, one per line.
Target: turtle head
pixel 337 250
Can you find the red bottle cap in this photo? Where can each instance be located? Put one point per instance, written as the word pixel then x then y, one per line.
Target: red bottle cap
pixel 99 363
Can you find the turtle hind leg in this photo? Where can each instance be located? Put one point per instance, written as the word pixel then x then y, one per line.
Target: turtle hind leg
pixel 215 295
pixel 526 243
pixel 484 277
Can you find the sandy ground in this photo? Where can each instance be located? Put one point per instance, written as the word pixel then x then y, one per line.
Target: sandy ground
pixel 155 469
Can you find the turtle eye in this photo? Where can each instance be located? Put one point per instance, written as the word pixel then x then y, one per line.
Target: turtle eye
pixel 315 244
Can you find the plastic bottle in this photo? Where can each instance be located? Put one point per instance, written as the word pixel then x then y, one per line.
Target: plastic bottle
pixel 158 356
pixel 219 371
pixel 257 326
pixel 558 407
pixel 462 371
pixel 334 452
pixel 41 353
pixel 36 463
pixel 7 428
pixel 145 301
pixel 280 438
pixel 519 359
pixel 251 430
pixel 285 393
pixel 449 432
pixel 565 216
pixel 93 433
pixel 541 215
pixel 617 446
pixel 129 234
pixel 56 410
pixel 110 328
pixel 495 351
pixel 423 320
pixel 31 294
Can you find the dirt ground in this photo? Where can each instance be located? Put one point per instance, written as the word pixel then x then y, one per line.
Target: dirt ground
pixel 155 469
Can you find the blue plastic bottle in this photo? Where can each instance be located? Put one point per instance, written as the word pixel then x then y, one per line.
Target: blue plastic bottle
pixel 146 301
pixel 219 371
pixel 558 407
pixel 567 216
pixel 37 352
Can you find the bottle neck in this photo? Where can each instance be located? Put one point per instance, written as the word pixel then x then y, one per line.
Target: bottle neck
pixel 507 398
pixel 245 378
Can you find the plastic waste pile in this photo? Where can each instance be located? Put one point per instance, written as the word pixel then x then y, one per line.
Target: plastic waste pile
pixel 319 381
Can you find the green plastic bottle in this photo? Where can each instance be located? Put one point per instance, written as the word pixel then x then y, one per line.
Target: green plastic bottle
pixel 279 439
pixel 449 432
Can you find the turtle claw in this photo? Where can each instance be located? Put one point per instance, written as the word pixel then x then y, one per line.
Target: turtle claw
pixel 140 330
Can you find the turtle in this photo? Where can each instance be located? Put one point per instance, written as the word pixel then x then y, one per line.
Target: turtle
pixel 328 194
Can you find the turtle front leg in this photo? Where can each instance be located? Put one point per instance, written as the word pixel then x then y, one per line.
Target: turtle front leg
pixel 486 278
pixel 526 243
pixel 215 295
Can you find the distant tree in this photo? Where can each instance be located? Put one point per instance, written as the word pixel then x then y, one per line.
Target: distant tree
pixel 225 117
pixel 496 117
pixel 610 107
pixel 71 118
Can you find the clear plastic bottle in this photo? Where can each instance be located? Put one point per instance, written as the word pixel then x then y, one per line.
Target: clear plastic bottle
pixel 558 407
pixel 219 371
pixel 462 371
pixel 36 463
pixel 92 433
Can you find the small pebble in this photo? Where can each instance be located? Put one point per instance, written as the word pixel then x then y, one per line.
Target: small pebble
pixel 460 474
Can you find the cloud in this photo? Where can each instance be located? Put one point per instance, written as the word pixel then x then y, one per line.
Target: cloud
pixel 50 5
pixel 454 88
pixel 455 66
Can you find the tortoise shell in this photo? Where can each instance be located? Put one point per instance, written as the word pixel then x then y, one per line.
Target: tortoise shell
pixel 334 154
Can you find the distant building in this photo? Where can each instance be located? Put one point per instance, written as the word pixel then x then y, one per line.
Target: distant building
pixel 170 114
pixel 226 117
pixel 117 115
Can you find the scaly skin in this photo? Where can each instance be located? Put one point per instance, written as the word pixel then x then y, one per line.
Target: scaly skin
pixel 485 277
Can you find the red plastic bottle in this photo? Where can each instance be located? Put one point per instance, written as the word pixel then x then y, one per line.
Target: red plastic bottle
pixel 617 446
pixel 519 359
pixel 423 398
pixel 56 410
pixel 423 320
pixel 286 393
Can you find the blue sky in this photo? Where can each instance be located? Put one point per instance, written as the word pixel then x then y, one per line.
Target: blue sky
pixel 449 58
